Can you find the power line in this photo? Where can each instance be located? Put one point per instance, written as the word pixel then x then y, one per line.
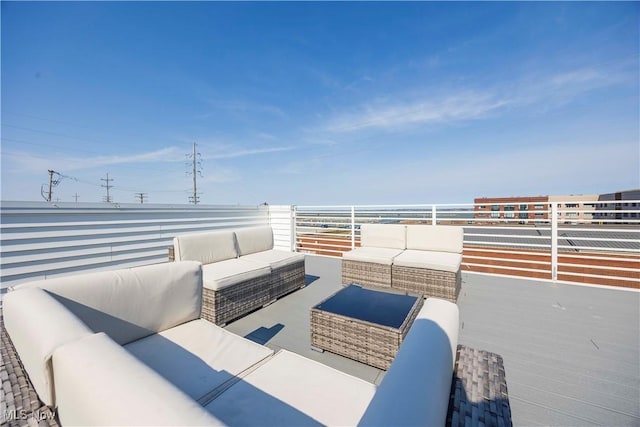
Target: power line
pixel 196 165
pixel 141 197
pixel 107 186
pixel 52 183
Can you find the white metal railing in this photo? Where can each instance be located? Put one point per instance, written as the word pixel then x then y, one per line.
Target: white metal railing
pixel 598 245
pixel 601 246
pixel 40 240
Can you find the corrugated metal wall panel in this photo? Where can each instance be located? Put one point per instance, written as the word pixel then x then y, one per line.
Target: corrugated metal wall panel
pixel 281 220
pixel 40 240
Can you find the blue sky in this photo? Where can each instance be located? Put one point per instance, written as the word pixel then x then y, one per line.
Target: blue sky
pixel 320 103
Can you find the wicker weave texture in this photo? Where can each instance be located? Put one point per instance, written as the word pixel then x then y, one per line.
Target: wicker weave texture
pixel 430 283
pixel 366 273
pixel 286 279
pixel 479 394
pixel 19 403
pixel 222 306
pixel 372 344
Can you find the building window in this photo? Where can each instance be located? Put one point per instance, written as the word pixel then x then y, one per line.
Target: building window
pixel 539 214
pixel 495 214
pixel 509 208
pixel 483 206
pixel 572 214
pixel 570 205
pixel 523 215
pixel 524 207
pixel 495 207
pixel 509 215
pixel 538 206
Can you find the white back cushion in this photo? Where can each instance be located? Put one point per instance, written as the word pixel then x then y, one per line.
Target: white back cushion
pixel 207 247
pixel 439 238
pixel 254 239
pixel 421 372
pixel 131 304
pixel 383 235
pixel 100 383
pixel 37 324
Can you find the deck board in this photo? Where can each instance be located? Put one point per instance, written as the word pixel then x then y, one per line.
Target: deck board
pixel 571 353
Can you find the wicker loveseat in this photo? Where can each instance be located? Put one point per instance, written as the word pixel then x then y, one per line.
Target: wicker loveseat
pixel 418 258
pixel 241 270
pixel 128 347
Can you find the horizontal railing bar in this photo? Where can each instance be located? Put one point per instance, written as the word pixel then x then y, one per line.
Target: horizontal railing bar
pixel 599 276
pixel 597 267
pixel 524 261
pixel 602 249
pixel 530 270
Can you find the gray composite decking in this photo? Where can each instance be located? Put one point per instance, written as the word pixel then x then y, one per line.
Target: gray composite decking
pixel 571 353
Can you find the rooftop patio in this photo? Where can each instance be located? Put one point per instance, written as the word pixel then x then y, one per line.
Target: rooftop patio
pixel 571 352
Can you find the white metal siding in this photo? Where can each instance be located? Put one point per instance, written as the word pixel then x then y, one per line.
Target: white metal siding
pixel 281 220
pixel 40 240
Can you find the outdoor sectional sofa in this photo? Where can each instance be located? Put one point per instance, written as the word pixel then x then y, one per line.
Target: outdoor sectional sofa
pixel 424 259
pixel 129 347
pixel 241 270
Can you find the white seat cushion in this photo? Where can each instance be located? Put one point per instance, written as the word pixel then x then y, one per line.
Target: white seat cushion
pixel 130 304
pixel 421 373
pixel 206 247
pixel 440 238
pixel 220 275
pixel 275 258
pixel 375 255
pixel 383 236
pixel 98 382
pixel 254 239
pixel 38 324
pixel 291 390
pixel 198 356
pixel 442 261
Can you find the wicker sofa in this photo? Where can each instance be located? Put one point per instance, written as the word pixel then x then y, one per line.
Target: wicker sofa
pixel 418 258
pixel 128 347
pixel 241 270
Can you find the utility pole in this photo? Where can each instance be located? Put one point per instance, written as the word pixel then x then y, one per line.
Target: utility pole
pixel 141 197
pixel 48 195
pixel 195 164
pixel 76 197
pixel 107 186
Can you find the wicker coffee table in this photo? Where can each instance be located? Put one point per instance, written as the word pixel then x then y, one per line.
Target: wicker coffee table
pixel 365 324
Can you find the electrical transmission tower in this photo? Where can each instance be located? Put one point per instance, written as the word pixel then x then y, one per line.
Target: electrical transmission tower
pixel 107 186
pixel 141 197
pixel 196 169
pixel 52 183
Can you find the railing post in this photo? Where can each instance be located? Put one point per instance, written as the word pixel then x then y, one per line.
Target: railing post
pixel 434 220
pixel 294 246
pixel 554 241
pixel 353 227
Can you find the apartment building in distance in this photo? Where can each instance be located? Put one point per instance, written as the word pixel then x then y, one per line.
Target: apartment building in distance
pixel 572 209
pixel 618 206
pixel 575 209
pixel 525 209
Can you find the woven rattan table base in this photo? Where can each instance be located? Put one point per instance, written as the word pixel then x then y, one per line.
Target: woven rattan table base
pixel 366 342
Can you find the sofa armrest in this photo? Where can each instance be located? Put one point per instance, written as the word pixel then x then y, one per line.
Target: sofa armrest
pixel 416 388
pixel 37 324
pixel 99 383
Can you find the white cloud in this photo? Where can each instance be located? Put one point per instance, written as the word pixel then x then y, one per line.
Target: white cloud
pixel 392 116
pixel 242 152
pixel 401 111
pixel 27 161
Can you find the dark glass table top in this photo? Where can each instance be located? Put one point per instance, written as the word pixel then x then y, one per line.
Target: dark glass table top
pixel 379 307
